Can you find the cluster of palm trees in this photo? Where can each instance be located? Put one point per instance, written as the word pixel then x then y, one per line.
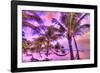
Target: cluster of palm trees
pixel 70 26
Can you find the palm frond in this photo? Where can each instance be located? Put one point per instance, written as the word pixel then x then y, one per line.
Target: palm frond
pixel 37 44
pixel 62 26
pixel 26 45
pixel 27 24
pixel 52 28
pixel 81 18
pixel 82 29
pixel 63 18
pixel 84 26
pixel 32 16
pixel 35 29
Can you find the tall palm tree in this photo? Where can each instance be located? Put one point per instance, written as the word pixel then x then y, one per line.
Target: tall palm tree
pixel 71 25
pixel 70 22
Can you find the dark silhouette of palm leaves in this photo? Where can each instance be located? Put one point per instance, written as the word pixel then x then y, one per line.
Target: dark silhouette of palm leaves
pixel 27 24
pixel 31 16
pixel 73 25
pixel 26 45
pixel 46 40
pixel 81 29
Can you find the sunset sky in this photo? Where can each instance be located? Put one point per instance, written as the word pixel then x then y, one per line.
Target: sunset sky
pixel 83 41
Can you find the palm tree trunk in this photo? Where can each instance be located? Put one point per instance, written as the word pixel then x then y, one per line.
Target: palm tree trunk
pixel 40 53
pixel 77 54
pixel 47 52
pixel 70 46
pixel 34 59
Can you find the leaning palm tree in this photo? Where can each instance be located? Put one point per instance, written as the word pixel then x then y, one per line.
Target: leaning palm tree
pixel 71 25
pixel 44 41
pixel 26 46
pixel 50 36
pixel 38 44
pixel 28 15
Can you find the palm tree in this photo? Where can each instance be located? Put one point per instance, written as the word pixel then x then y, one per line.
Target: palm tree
pixel 48 37
pixel 28 15
pixel 71 20
pixel 52 34
pixel 39 44
pixel 71 25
